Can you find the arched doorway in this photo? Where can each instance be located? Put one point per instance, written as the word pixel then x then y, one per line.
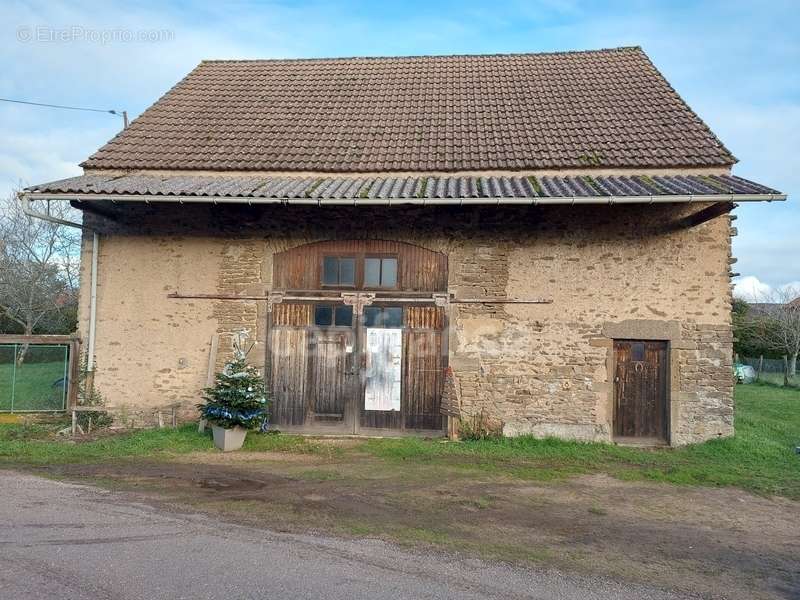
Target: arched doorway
pixel 357 337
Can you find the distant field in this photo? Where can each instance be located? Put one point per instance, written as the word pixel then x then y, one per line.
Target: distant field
pixel 38 386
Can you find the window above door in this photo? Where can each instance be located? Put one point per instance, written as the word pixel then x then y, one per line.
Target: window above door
pixel 370 272
pixel 339 271
pixel 380 272
pixel 360 264
pixel 333 315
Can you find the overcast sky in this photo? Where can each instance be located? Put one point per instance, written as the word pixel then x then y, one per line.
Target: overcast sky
pixel 735 63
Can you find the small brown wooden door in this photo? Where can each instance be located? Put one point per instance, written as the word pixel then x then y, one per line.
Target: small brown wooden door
pixel 640 389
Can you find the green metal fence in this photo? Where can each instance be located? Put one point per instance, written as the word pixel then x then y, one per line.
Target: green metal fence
pixel 34 377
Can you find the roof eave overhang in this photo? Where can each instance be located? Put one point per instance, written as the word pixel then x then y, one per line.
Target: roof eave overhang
pixel 526 201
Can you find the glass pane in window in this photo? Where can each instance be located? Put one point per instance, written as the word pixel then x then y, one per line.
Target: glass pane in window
pixel 330 270
pixel 389 272
pixel 372 316
pixel 637 351
pixel 323 315
pixel 347 271
pixel 393 316
pixel 344 316
pixel 372 272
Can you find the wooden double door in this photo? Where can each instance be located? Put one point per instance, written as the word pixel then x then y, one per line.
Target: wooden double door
pixel 641 409
pixel 384 370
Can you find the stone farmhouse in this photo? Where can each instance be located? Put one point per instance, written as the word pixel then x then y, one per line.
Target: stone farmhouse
pixel 539 242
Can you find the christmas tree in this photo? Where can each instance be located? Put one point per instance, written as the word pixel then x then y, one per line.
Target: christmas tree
pixel 238 396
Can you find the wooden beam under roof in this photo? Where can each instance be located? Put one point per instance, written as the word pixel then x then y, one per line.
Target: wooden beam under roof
pixel 702 216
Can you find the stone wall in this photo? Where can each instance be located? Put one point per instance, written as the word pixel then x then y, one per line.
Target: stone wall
pixel 533 368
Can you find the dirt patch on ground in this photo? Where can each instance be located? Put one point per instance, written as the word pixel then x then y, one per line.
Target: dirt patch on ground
pixel 720 542
pixel 215 457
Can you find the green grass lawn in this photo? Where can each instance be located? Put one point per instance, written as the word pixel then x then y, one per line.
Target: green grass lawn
pixel 760 458
pixel 37 386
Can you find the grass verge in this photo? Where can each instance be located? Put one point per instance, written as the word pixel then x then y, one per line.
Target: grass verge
pixel 36 445
pixel 759 458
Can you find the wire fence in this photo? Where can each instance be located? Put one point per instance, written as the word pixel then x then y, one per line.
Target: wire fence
pixel 770 370
pixel 34 378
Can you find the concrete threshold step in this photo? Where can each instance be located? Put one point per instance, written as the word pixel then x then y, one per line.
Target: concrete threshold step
pixel 641 442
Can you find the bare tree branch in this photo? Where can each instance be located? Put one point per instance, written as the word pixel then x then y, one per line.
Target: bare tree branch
pixel 39 263
pixel 775 324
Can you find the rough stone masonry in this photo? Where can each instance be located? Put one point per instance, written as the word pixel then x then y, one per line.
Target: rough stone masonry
pixel 612 272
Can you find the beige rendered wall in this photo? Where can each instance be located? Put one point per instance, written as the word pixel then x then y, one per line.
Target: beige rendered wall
pixel 541 369
pixel 150 351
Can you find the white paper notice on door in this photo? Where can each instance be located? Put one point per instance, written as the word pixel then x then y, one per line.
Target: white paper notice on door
pixel 384 369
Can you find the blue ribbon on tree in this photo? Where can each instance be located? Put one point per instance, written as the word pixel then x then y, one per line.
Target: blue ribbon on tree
pixel 215 411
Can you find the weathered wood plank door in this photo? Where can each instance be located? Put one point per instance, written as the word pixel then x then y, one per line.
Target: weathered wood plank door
pixel 330 376
pixel 640 389
pixel 423 368
pixel 288 364
pixel 311 370
pixel 355 340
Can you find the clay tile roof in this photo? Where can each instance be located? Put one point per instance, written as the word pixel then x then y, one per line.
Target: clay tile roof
pixel 608 108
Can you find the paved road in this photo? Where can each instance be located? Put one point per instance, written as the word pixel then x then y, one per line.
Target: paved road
pixel 78 543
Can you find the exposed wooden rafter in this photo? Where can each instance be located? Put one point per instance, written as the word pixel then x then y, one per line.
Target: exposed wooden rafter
pixel 702 216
